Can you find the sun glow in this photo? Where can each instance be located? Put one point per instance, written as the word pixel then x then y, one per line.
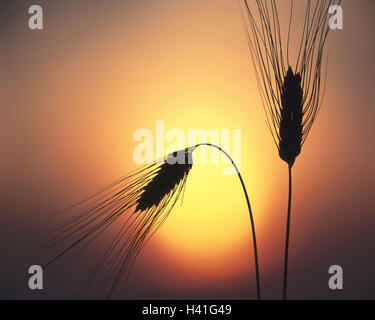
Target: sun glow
pixel 201 80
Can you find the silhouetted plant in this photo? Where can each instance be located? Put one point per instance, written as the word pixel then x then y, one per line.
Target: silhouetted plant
pixel 291 96
pixel 144 199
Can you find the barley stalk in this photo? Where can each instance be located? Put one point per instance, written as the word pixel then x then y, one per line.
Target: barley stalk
pixel 291 96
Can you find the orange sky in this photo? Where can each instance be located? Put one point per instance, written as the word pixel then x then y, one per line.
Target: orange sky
pixel 76 92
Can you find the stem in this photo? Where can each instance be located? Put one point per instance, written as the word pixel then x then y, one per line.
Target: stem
pixel 287 236
pixel 250 213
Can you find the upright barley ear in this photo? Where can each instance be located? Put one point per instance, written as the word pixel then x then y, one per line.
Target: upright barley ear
pixel 290 131
pixel 291 96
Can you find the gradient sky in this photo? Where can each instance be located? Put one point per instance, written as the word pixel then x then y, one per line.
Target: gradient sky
pixel 73 94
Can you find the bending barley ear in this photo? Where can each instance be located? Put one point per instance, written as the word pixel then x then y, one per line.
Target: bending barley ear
pixel 291 95
pixel 139 203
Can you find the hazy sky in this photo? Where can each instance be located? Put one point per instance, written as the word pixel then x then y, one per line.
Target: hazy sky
pixel 73 94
